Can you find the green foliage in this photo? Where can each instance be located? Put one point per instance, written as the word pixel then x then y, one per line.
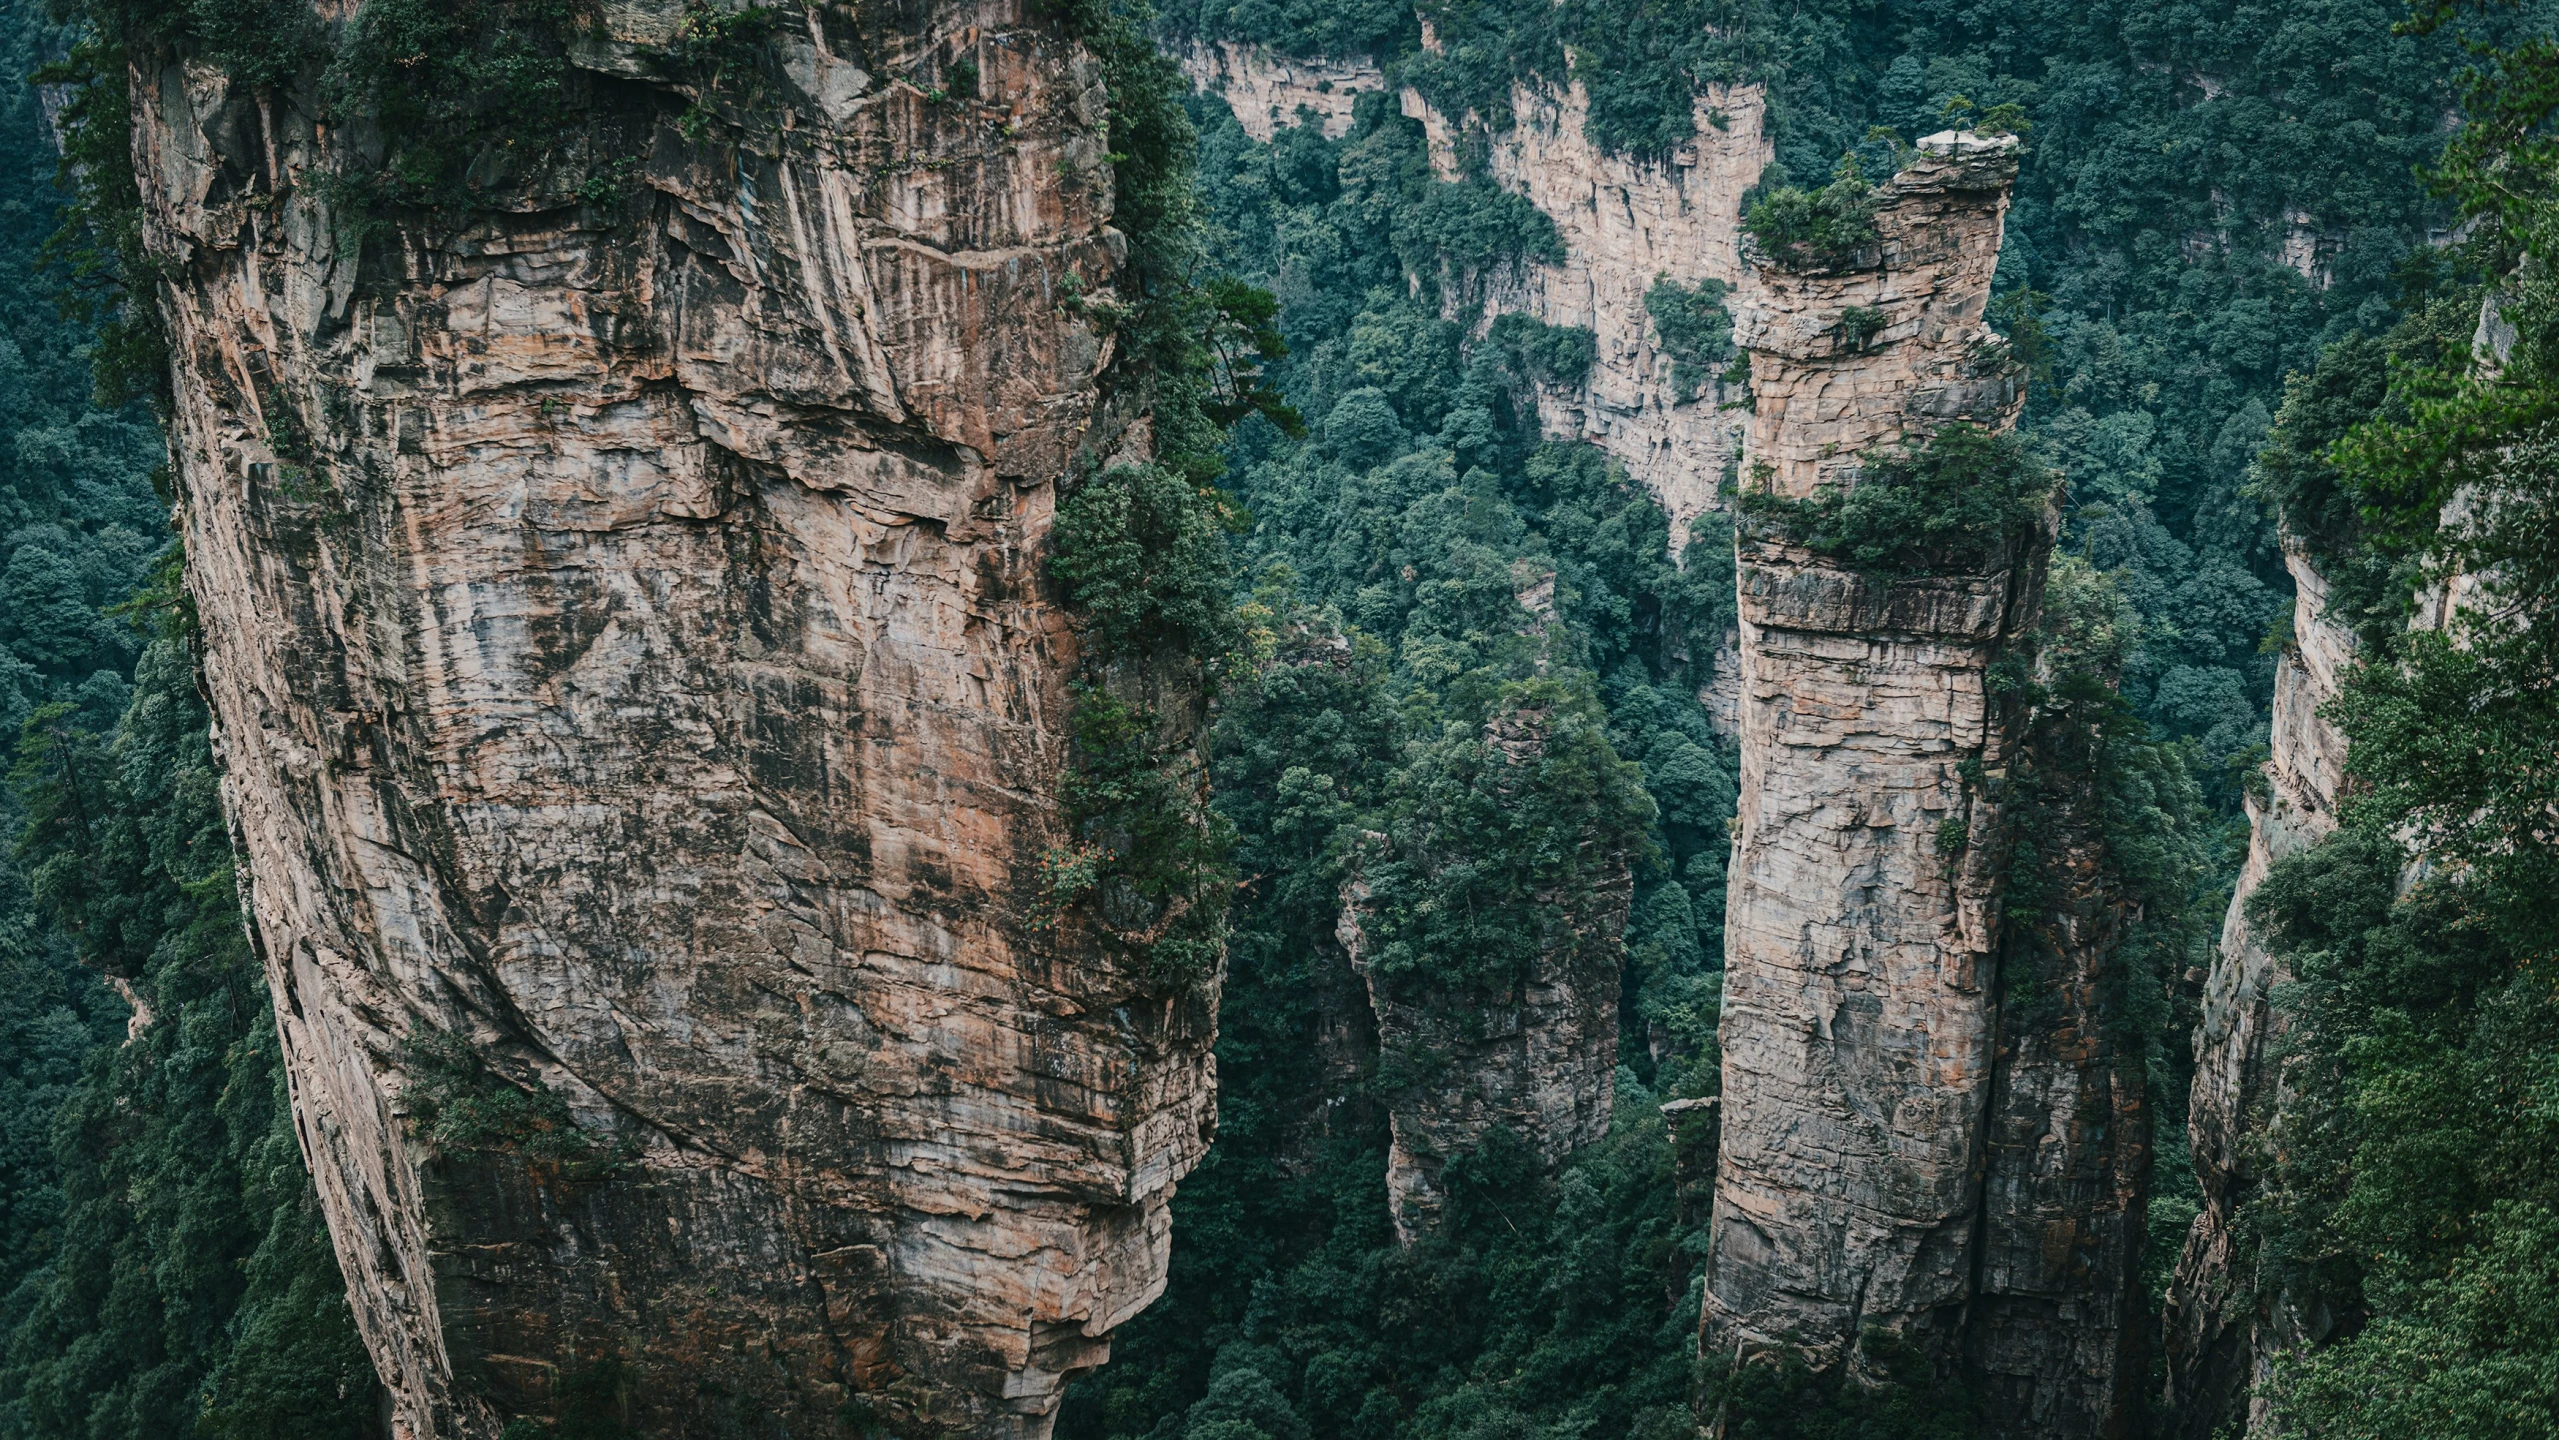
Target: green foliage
pixel 1897 1397
pixel 465 94
pixel 1141 553
pixel 1693 328
pixel 458 1103
pixel 2411 1186
pixel 1161 885
pixel 163 1267
pixel 1491 857
pixel 188 1282
pixel 1543 354
pixel 1958 504
pixel 1858 326
pixel 1832 228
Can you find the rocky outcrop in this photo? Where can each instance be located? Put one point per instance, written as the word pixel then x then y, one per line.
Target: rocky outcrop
pixel 641 699
pixel 1535 1057
pixel 2227 1323
pixel 2222 1336
pixel 1935 1141
pixel 1266 90
pixel 1625 223
pixel 1861 940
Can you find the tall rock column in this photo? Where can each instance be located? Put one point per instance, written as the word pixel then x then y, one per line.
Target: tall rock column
pixel 625 616
pixel 1860 946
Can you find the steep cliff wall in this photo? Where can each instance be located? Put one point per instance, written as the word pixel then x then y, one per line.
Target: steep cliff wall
pixel 2222 1338
pixel 642 703
pixel 1859 998
pixel 1266 89
pixel 2057 1333
pixel 1935 1135
pixel 1626 224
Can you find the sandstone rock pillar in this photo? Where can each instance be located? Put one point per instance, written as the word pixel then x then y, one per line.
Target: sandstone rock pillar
pixel 642 700
pixel 1859 998
pixel 1536 1055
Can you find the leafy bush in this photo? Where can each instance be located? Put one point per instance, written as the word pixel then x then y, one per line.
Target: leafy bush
pixel 1141 552
pixel 1493 855
pixel 1832 228
pixel 1954 505
pixel 1555 355
pixel 1693 328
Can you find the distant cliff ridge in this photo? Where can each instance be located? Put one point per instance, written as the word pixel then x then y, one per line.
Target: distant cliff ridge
pixel 643 703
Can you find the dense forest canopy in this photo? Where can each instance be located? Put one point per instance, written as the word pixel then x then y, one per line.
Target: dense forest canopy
pixel 2241 301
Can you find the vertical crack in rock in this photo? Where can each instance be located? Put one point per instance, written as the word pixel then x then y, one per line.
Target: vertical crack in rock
pixel 628 633
pixel 1859 1019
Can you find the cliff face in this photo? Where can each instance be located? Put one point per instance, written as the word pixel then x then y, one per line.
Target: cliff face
pixel 1536 1058
pixel 642 703
pixel 2221 1338
pixel 2056 1335
pixel 1624 223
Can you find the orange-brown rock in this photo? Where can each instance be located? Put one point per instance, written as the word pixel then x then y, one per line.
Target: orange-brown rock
pixel 626 622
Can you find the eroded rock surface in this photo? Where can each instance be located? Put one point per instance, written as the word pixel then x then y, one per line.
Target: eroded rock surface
pixel 1625 223
pixel 1935 1142
pixel 1628 224
pixel 1536 1058
pixel 1266 89
pixel 1862 930
pixel 626 624
pixel 2222 1337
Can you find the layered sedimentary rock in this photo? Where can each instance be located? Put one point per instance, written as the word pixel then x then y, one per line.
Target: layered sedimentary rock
pixel 2221 1337
pixel 625 618
pixel 1535 1058
pixel 1859 1019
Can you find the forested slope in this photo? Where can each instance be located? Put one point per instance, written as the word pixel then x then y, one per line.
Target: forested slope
pixel 2211 197
pixel 163 1270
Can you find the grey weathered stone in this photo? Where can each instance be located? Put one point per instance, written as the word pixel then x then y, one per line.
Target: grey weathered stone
pixel 626 625
pixel 1860 946
pixel 1906 1149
